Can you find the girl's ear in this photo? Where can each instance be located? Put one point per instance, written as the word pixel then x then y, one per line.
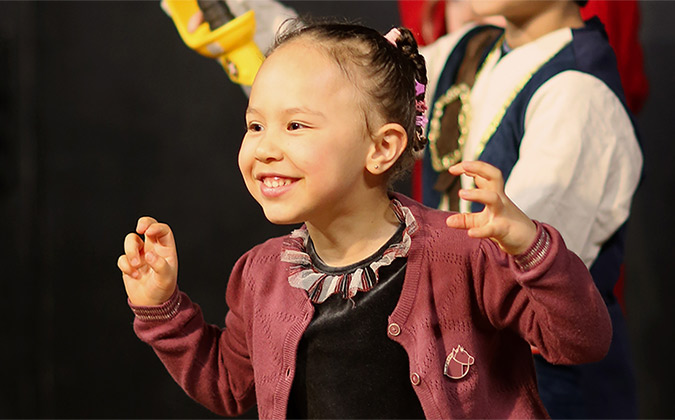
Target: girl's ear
pixel 388 143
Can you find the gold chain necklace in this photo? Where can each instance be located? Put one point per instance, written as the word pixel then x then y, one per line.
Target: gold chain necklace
pixel 497 120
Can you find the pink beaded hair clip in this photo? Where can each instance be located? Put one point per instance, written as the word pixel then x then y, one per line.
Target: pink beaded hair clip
pixel 420 105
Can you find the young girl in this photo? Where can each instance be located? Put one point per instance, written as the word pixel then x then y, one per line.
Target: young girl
pixel 377 306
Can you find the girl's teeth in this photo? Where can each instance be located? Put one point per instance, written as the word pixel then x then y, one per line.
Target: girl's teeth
pixel 276 182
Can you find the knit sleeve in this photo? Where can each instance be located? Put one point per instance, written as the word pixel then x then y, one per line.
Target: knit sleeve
pixel 210 363
pixel 552 303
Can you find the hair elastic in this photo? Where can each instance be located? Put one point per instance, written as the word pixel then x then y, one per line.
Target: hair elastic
pixel 393 35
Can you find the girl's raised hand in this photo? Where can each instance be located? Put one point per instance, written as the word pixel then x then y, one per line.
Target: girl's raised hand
pixel 149 267
pixel 501 220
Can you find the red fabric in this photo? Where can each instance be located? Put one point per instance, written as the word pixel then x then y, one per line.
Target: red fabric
pixel 415 12
pixel 622 22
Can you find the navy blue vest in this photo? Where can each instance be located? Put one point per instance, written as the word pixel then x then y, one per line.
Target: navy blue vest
pixel 589 52
pixel 607 387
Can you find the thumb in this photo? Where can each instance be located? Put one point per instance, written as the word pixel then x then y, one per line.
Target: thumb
pixel 194 21
pixel 165 6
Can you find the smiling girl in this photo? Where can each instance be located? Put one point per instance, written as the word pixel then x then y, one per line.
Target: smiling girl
pixel 377 307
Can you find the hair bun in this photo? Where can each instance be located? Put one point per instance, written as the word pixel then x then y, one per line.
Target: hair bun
pixel 407 44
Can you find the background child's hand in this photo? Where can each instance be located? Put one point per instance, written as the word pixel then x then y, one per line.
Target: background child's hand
pixel 150 267
pixel 501 220
pixel 194 21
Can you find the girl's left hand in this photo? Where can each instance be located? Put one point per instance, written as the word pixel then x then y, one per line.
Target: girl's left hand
pixel 501 220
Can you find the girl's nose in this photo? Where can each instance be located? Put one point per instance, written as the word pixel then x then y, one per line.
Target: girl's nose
pixel 267 150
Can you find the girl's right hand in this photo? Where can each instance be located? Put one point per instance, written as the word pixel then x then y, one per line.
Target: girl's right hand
pixel 501 220
pixel 149 267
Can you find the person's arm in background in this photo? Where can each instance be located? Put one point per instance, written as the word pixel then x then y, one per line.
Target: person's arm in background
pixel 269 16
pixel 579 162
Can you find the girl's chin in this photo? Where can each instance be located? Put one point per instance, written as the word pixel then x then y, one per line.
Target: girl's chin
pixel 280 219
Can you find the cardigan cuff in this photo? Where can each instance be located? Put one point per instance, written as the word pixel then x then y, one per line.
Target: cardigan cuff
pixel 536 253
pixel 163 312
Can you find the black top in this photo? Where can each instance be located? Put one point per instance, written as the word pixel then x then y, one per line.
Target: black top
pixel 347 367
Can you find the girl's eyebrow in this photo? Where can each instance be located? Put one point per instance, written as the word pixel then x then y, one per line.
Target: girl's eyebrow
pixel 290 111
pixel 250 110
pixel 301 110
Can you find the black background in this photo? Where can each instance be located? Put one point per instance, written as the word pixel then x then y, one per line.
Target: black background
pixel 105 115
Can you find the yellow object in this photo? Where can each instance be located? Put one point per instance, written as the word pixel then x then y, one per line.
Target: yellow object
pixel 231 44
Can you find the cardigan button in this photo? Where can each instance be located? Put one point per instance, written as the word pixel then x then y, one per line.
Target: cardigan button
pixel 394 329
pixel 415 379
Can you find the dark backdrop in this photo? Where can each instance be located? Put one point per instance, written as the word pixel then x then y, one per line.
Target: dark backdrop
pixel 105 115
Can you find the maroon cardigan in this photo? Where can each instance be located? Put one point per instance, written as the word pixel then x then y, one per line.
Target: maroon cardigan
pixel 458 291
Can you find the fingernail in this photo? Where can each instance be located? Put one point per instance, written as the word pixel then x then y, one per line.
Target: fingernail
pixel 150 257
pixel 134 274
pixel 135 262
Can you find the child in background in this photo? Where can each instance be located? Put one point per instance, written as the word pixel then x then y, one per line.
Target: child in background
pixel 541 99
pixel 377 306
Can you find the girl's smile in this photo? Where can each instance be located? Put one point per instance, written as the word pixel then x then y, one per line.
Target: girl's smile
pixel 272 185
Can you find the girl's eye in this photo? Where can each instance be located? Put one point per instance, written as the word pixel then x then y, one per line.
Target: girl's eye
pixel 255 127
pixel 295 126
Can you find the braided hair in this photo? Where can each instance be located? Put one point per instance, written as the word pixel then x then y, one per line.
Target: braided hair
pixel 394 72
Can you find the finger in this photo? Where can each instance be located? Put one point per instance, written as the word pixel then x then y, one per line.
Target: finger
pixel 161 234
pixel 457 169
pixel 143 224
pixel 133 245
pixel 482 169
pixel 484 174
pixel 165 6
pixel 158 264
pixel 485 231
pixel 194 21
pixel 461 220
pixel 125 267
pixel 486 197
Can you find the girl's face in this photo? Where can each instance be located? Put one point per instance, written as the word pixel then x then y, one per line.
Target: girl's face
pixel 303 157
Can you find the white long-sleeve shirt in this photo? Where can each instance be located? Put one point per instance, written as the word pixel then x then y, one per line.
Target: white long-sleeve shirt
pixel 579 160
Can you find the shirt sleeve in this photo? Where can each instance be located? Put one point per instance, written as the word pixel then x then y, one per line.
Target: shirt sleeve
pixel 269 16
pixel 210 363
pixel 547 296
pixel 579 162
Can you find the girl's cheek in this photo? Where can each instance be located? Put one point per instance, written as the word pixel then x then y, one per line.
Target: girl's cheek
pixel 244 160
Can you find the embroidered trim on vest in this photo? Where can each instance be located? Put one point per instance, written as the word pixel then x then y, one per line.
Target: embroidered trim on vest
pixel 319 285
pixel 462 92
pixel 496 121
